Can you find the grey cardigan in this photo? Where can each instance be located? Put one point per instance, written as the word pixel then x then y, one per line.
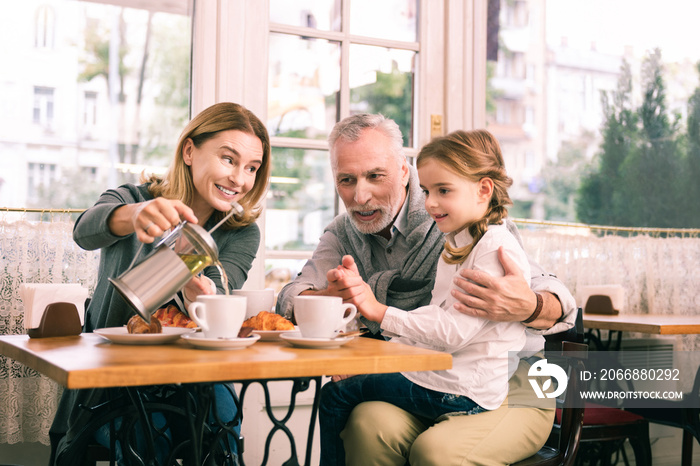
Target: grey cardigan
pixel 237 249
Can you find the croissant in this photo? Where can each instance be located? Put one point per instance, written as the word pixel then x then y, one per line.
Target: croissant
pixel 171 316
pixel 137 325
pixel 268 321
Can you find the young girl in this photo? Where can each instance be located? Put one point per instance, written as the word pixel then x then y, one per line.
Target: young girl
pixel 465 185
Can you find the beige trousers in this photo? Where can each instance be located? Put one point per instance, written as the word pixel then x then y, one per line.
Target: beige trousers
pixel 379 433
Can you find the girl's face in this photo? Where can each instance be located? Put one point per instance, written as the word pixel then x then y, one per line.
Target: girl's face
pixel 453 201
pixel 223 169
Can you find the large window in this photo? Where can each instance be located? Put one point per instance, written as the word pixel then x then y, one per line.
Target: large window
pixel 301 66
pixel 573 77
pixel 97 92
pixel 329 60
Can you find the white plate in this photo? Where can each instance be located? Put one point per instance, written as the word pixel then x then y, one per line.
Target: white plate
pixel 121 335
pixel 200 341
pixel 272 335
pixel 296 339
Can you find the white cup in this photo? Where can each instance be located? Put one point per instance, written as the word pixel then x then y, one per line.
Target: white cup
pixel 322 316
pixel 258 300
pixel 219 316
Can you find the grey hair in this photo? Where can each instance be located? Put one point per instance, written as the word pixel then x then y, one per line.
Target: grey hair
pixel 350 129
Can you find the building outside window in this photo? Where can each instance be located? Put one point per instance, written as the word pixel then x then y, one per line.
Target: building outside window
pixel 63 107
pixel 413 60
pixel 563 63
pixel 40 176
pixel 44 27
pixel 90 110
pixel 43 106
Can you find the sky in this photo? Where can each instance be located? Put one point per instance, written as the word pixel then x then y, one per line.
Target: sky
pixel 671 25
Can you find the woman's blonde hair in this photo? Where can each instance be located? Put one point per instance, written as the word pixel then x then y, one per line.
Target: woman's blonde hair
pixel 473 155
pixel 177 182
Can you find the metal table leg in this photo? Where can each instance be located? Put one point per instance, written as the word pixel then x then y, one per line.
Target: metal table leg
pixel 299 385
pixel 207 436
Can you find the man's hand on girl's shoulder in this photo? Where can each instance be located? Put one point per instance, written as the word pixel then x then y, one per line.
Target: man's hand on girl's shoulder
pixel 501 299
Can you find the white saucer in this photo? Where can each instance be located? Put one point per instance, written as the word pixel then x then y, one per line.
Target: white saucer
pixel 296 339
pixel 200 341
pixel 122 336
pixel 272 335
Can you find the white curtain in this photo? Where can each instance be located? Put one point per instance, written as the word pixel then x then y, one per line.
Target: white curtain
pixel 33 252
pixel 659 275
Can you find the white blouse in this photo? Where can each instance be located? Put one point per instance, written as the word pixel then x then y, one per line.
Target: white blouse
pixel 481 349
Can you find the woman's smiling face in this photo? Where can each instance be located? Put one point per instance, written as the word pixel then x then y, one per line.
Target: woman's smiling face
pixel 223 169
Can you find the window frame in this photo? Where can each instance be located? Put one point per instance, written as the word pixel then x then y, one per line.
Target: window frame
pixel 227 65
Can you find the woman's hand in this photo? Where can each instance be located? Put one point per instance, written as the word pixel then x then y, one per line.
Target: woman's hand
pixel 149 219
pixel 198 285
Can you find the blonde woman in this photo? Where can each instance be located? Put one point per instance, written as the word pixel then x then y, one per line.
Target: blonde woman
pixel 223 155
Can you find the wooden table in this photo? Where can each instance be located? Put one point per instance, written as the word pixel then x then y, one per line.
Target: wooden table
pixel 654 324
pixel 90 361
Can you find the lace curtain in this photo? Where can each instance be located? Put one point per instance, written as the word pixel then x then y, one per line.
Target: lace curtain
pixel 659 275
pixel 33 252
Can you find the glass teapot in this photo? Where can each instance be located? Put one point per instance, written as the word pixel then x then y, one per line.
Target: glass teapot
pixel 179 256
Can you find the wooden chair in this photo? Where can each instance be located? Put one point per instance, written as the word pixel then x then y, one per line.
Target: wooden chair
pixel 606 429
pixel 601 430
pixel 562 448
pixel 563 444
pixel 97 453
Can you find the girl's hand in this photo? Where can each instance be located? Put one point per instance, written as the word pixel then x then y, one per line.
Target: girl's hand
pixel 344 283
pixel 362 295
pixel 368 306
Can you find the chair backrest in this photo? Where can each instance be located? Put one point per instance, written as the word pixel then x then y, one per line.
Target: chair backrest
pixel 567 349
pixel 575 334
pixel 569 345
pixel 572 409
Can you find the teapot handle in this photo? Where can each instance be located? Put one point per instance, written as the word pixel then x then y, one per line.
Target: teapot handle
pixel 136 256
pixel 138 253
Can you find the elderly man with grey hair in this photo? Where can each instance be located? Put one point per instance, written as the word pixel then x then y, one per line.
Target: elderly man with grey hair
pixel 390 243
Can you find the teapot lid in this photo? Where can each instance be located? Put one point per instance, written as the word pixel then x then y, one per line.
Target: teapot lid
pixel 201 237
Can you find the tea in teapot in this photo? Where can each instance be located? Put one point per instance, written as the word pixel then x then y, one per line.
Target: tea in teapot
pixel 182 254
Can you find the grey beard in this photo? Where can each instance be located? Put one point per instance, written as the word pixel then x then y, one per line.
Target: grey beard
pixel 375 227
